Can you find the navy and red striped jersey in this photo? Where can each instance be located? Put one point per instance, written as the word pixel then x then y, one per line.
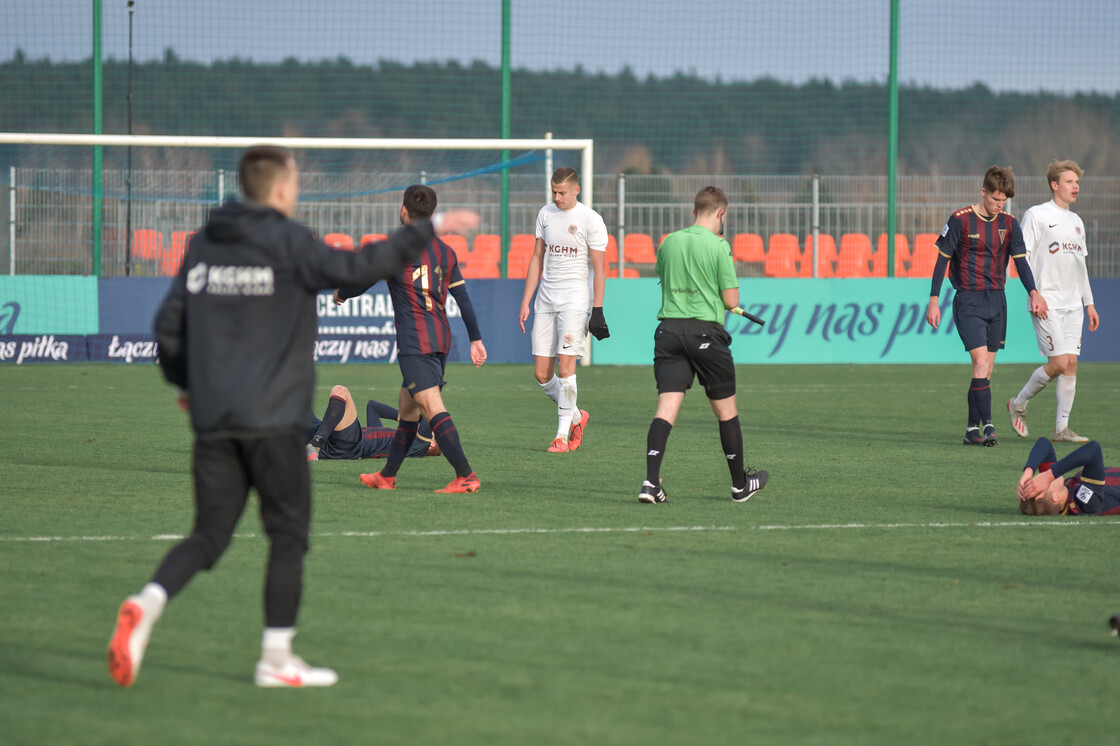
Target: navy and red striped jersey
pixel 1094 497
pixel 419 296
pixel 979 249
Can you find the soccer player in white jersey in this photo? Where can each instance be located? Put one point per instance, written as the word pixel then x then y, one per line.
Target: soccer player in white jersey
pixel 1055 239
pixel 568 273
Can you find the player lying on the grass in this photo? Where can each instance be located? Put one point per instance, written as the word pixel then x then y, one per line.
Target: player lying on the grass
pixel 1095 490
pixel 339 435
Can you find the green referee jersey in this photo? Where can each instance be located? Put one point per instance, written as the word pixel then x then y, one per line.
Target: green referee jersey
pixel 694 265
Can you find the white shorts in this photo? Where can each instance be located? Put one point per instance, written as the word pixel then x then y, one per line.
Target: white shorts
pixel 559 333
pixel 1060 332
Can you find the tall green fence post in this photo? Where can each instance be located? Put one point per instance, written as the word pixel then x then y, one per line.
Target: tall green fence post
pixel 506 95
pixel 97 130
pixel 892 142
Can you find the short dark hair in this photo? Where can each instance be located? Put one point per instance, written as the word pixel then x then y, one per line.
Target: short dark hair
pixel 420 201
pixel 1000 179
pixel 709 199
pixel 563 175
pixel 259 168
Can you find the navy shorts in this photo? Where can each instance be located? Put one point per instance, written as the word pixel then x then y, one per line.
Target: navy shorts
pixel 981 318
pixel 344 444
pixel 422 372
pixel 683 348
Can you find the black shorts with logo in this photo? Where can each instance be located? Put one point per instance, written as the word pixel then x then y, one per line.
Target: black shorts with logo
pixel 981 318
pixel 683 348
pixel 420 372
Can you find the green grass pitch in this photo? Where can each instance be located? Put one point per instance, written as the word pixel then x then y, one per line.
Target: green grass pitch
pixel 882 589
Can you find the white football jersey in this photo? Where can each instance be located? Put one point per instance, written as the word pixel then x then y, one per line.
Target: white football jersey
pixel 569 238
pixel 1055 239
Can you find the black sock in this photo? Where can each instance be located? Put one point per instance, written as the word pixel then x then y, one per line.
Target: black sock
pixel 974 402
pixel 447 438
pixel 398 449
pixel 984 399
pixel 731 436
pixel 335 409
pixel 656 440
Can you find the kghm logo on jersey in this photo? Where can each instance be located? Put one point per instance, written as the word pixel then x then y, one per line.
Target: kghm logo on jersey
pixel 1053 248
pixel 573 229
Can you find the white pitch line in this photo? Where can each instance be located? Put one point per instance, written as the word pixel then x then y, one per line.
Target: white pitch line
pixel 604 530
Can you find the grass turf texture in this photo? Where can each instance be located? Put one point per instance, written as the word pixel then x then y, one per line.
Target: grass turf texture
pixel 552 607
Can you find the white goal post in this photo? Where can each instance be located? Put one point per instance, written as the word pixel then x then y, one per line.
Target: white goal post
pixel 586 147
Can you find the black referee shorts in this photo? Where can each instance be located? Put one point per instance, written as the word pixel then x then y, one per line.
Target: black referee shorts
pixel 683 348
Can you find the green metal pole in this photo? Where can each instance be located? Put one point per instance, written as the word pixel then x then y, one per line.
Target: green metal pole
pixel 97 130
pixel 506 95
pixel 892 142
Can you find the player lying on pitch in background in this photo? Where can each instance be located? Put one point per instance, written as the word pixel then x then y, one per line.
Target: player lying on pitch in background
pixel 1095 490
pixel 419 294
pixel 339 435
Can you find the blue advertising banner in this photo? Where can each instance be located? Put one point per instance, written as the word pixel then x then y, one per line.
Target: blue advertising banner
pixel 122 348
pixel 44 348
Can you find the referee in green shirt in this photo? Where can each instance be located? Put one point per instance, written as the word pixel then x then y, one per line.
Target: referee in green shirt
pixel 698 286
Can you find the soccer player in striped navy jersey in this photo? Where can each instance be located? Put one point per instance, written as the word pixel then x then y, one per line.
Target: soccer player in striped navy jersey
pixel 1095 490
pixel 339 435
pixel 975 245
pixel 419 296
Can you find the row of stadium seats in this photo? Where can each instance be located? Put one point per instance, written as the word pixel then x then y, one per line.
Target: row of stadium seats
pixel 783 256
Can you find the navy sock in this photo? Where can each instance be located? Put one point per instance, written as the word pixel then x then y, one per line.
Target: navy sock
pixel 447 438
pixel 973 402
pixel 981 390
pixel 656 440
pixel 731 437
pixel 398 449
pixel 335 409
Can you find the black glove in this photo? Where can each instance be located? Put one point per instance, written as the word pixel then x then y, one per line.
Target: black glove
pixel 598 325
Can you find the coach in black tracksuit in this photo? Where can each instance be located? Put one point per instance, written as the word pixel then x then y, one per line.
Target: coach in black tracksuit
pixel 236 335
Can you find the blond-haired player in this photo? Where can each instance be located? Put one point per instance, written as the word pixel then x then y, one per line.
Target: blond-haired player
pixel 1055 238
pixel 568 273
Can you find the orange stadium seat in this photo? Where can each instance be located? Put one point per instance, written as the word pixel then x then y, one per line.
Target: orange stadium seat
pixel 371 238
pixel 147 243
pixel 342 241
pixel 637 248
pixel 484 257
pixel 854 257
pixel 172 259
pixel 783 257
pixel 901 256
pixel 612 260
pixel 520 251
pixel 826 254
pixel 748 247
pixel 924 255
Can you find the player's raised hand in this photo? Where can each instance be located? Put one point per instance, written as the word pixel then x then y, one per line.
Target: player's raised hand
pixel 933 313
pixel 456 221
pixel 478 353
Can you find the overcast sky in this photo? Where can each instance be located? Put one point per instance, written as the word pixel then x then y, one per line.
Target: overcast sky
pixel 1024 45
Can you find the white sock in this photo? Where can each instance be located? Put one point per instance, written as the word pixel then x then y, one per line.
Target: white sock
pixel 566 405
pixel 1067 389
pixel 1037 382
pixel 552 388
pixel 276 646
pixel 153 597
